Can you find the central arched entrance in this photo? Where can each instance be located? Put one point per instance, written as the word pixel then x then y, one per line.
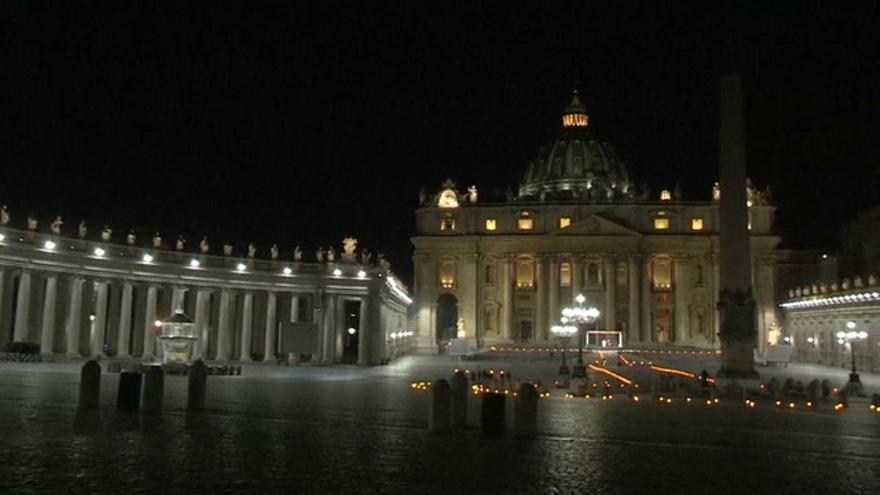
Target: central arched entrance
pixel 447 318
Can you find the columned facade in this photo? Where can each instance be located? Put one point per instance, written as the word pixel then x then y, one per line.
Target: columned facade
pixel 76 303
pixel 579 224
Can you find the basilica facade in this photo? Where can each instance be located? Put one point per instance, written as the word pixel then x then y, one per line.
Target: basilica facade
pixel 502 271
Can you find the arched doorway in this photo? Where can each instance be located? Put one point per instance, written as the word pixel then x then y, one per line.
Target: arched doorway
pixel 447 318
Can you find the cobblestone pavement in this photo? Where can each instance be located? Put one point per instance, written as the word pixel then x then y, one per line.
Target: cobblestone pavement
pixel 354 430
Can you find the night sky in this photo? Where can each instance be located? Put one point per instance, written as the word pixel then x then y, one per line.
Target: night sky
pixel 303 124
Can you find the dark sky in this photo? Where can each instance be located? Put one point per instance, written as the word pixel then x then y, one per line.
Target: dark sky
pixel 303 123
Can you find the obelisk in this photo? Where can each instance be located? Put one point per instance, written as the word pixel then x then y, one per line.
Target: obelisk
pixel 736 304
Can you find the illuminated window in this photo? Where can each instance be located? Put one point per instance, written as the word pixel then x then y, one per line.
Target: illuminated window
pixel 447 274
pixel 525 274
pixel 525 221
pixel 662 274
pixel 665 195
pixel 565 274
pixel 575 120
pixel 564 222
pixel 661 224
pixel 491 224
pixel 696 224
pixel 447 221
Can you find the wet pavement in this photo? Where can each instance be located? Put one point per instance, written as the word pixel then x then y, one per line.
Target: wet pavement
pixel 352 430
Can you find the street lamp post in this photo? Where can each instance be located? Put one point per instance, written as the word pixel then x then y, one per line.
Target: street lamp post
pixel 564 333
pixel 581 316
pixel 854 386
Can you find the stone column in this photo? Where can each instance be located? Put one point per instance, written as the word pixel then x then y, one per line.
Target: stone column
pixel 541 297
pixel 364 332
pixel 737 333
pixel 149 324
pixel 201 322
pixel 318 319
pixel 223 334
pixel 177 298
pixel 294 308
pixel 47 337
pixel 610 294
pixel 247 318
pixel 647 303
pixel 632 329
pixel 681 300
pixel 74 317
pixel 716 277
pixel 22 308
pixel 577 276
pixel 124 321
pixel 553 311
pixel 329 334
pixel 507 295
pixel 99 326
pixel 269 348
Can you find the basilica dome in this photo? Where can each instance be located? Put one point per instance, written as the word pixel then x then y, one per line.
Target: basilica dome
pixel 577 165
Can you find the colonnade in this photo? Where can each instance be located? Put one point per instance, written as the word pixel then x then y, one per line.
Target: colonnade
pixel 84 315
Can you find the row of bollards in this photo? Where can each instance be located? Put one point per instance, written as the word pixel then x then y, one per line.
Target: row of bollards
pixel 448 408
pixel 130 392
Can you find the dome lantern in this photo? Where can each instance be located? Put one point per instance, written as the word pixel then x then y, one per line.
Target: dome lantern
pixel 575 113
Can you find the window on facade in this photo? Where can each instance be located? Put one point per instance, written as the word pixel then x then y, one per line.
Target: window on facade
pixel 696 224
pixel 665 195
pixel 662 274
pixel 525 275
pixel 447 221
pixel 698 275
pixel 565 274
pixel 491 224
pixel 593 274
pixel 447 274
pixel 564 222
pixel 661 223
pixel 525 221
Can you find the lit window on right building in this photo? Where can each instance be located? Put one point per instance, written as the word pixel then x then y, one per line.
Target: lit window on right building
pixel 696 224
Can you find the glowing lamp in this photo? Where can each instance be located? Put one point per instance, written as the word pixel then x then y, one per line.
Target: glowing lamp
pixel 194 263
pixel 337 272
pixel 287 270
pixel 147 258
pixel 241 267
pixel 49 245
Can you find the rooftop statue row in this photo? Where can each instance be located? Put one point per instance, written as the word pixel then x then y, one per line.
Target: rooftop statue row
pixel 450 197
pixel 348 254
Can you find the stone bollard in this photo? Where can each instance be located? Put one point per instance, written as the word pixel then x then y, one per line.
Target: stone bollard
pixel 459 400
pixel 875 401
pixel 842 397
pixel 813 391
pixel 440 414
pixel 525 411
pixel 799 387
pixel 128 397
pixel 492 416
pixel 90 385
pixel 826 389
pixel 788 385
pixel 238 370
pixel 198 382
pixel 154 388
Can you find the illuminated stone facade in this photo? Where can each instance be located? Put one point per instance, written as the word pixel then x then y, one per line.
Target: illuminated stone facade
pixel 78 297
pixel 579 224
